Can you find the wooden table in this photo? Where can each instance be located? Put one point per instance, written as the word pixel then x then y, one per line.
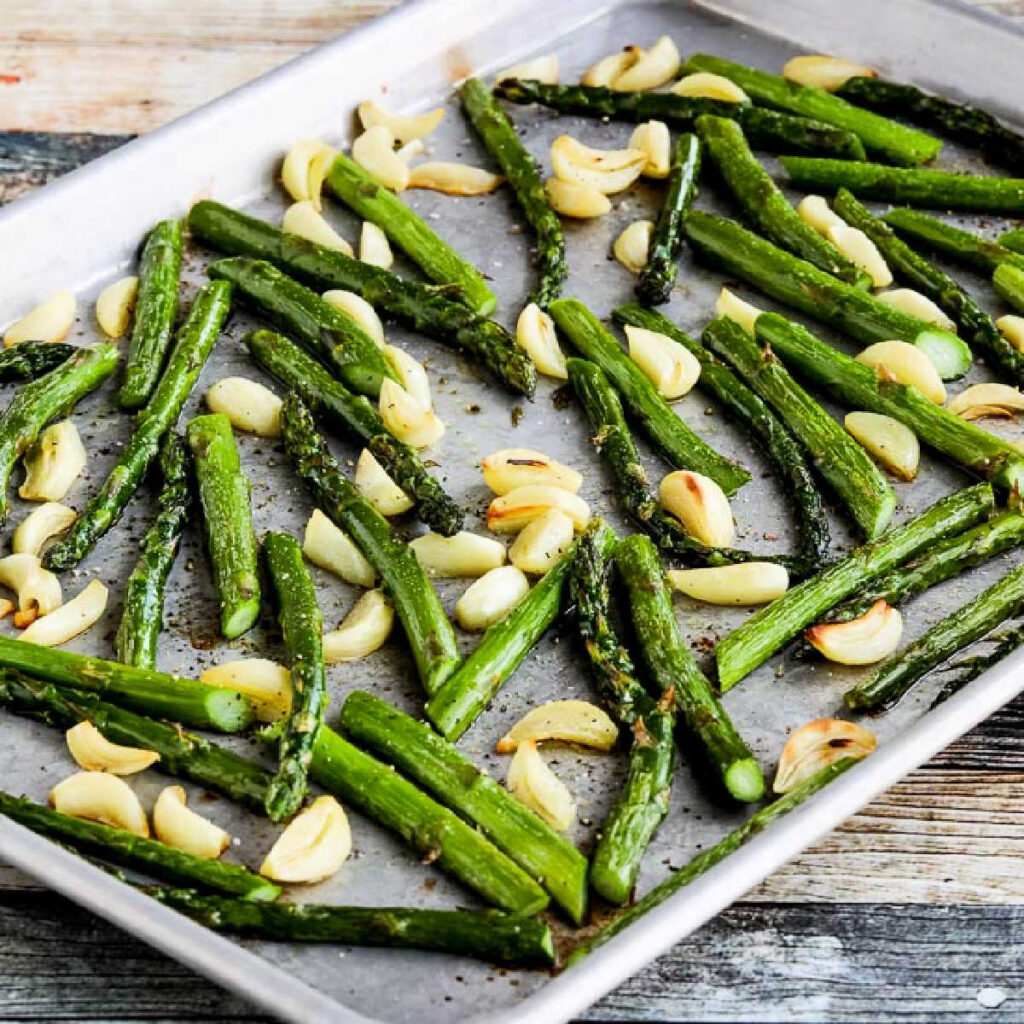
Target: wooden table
pixel 912 911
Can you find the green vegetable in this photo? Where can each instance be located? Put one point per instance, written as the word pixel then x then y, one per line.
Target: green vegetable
pixel 959 245
pixel 968 669
pixel 31 359
pixel 1008 282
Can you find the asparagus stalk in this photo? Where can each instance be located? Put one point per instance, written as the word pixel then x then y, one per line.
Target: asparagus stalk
pixel 959 245
pixel 36 403
pixel 355 416
pixel 132 851
pixel 775 440
pixel 643 802
pixel 155 310
pixel 803 286
pixel 765 129
pixel 755 824
pixel 968 669
pixel 457 704
pixel 31 359
pixel 659 272
pixel 195 342
pixel 426 626
pixel 840 461
pixel 498 134
pixel 427 309
pixel 227 521
pixel 938 190
pixel 858 387
pixel 1013 240
pixel 453 780
pixel 772 626
pixel 1008 282
pixel 977 326
pixel 482 934
pixel 358 190
pixel 670 435
pixel 891 680
pixel 142 614
pixel 895 142
pixel 957 121
pixel 765 206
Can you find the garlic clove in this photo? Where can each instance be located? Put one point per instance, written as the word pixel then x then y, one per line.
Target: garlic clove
pixel 607 69
pixel 536 336
pixel 374 247
pixel 248 405
pixel 653 139
pixel 302 219
pixel 537 69
pixel 510 468
pixel 542 542
pixel 1011 327
pixel 490 598
pixel 454 179
pixel 906 300
pixel 40 525
pixel 314 845
pixel 633 244
pixel 53 463
pixel 820 72
pixel 374 484
pixel 319 167
pixel 411 149
pixel 374 151
pixel 669 366
pixel 652 68
pixel 265 682
pixel 870 637
pixel 817 745
pixel 178 826
pixel 511 511
pixel 734 308
pixel 700 505
pixel 356 308
pixel 82 612
pixel 581 202
pixel 891 443
pixel 411 374
pixel 706 85
pixel 980 400
pixel 363 631
pixel 406 418
pixel 816 213
pixel 328 546
pixel 465 554
pixel 98 796
pixel 861 252
pixel 567 721
pixel 114 306
pixel 744 584
pixel 95 753
pixel 304 168
pixel 403 127
pixel 901 361
pixel 51 320
pixel 36 587
pixel 607 170
pixel 535 786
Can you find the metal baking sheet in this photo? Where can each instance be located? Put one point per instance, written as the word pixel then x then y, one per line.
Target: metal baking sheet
pixel 82 232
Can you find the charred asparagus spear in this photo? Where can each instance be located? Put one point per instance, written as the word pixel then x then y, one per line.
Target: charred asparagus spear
pixel 499 136
pixel 31 359
pixel 36 403
pixel 1008 282
pixel 301 626
pixel 659 273
pixel 426 626
pixel 672 437
pixel 484 934
pixel 155 310
pixel 194 343
pixel 765 206
pixel 428 309
pixel 643 802
pixel 968 669
pixel 959 245
pixel 142 616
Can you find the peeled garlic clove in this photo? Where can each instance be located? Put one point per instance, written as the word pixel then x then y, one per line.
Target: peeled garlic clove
pixel 653 140
pixel 302 219
pixel 373 483
pixel 510 468
pixel 97 796
pixel 53 463
pixel 510 512
pixel 374 151
pixel 906 300
pixel 542 542
pixel 36 587
pixel 454 179
pixel 706 85
pixel 114 306
pixel 901 361
pixel 861 641
pixel 743 584
pixel 568 721
pixel 65 623
pixel 406 418
pixel 537 69
pixel 328 546
pixel 987 400
pixel 403 127
pixel 362 631
pixel 52 320
pixel 891 443
pixel 95 753
pixel 1011 327
pixel 491 598
pixel 582 202
pixel 815 211
pixel 632 245
pixel 607 170
pixel 535 786
pixel 465 554
pixel 358 309
pixel 827 73
pixel 313 847
pixel 40 525
pixel 654 67
pixel 669 366
pixel 411 374
pixel 607 69
pixel 178 826
pixel 248 405
pixel 817 745
pixel 374 247
pixel 861 252
pixel 731 306
pixel 265 682
pixel 700 505
pixel 305 166
pixel 410 150
pixel 536 336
